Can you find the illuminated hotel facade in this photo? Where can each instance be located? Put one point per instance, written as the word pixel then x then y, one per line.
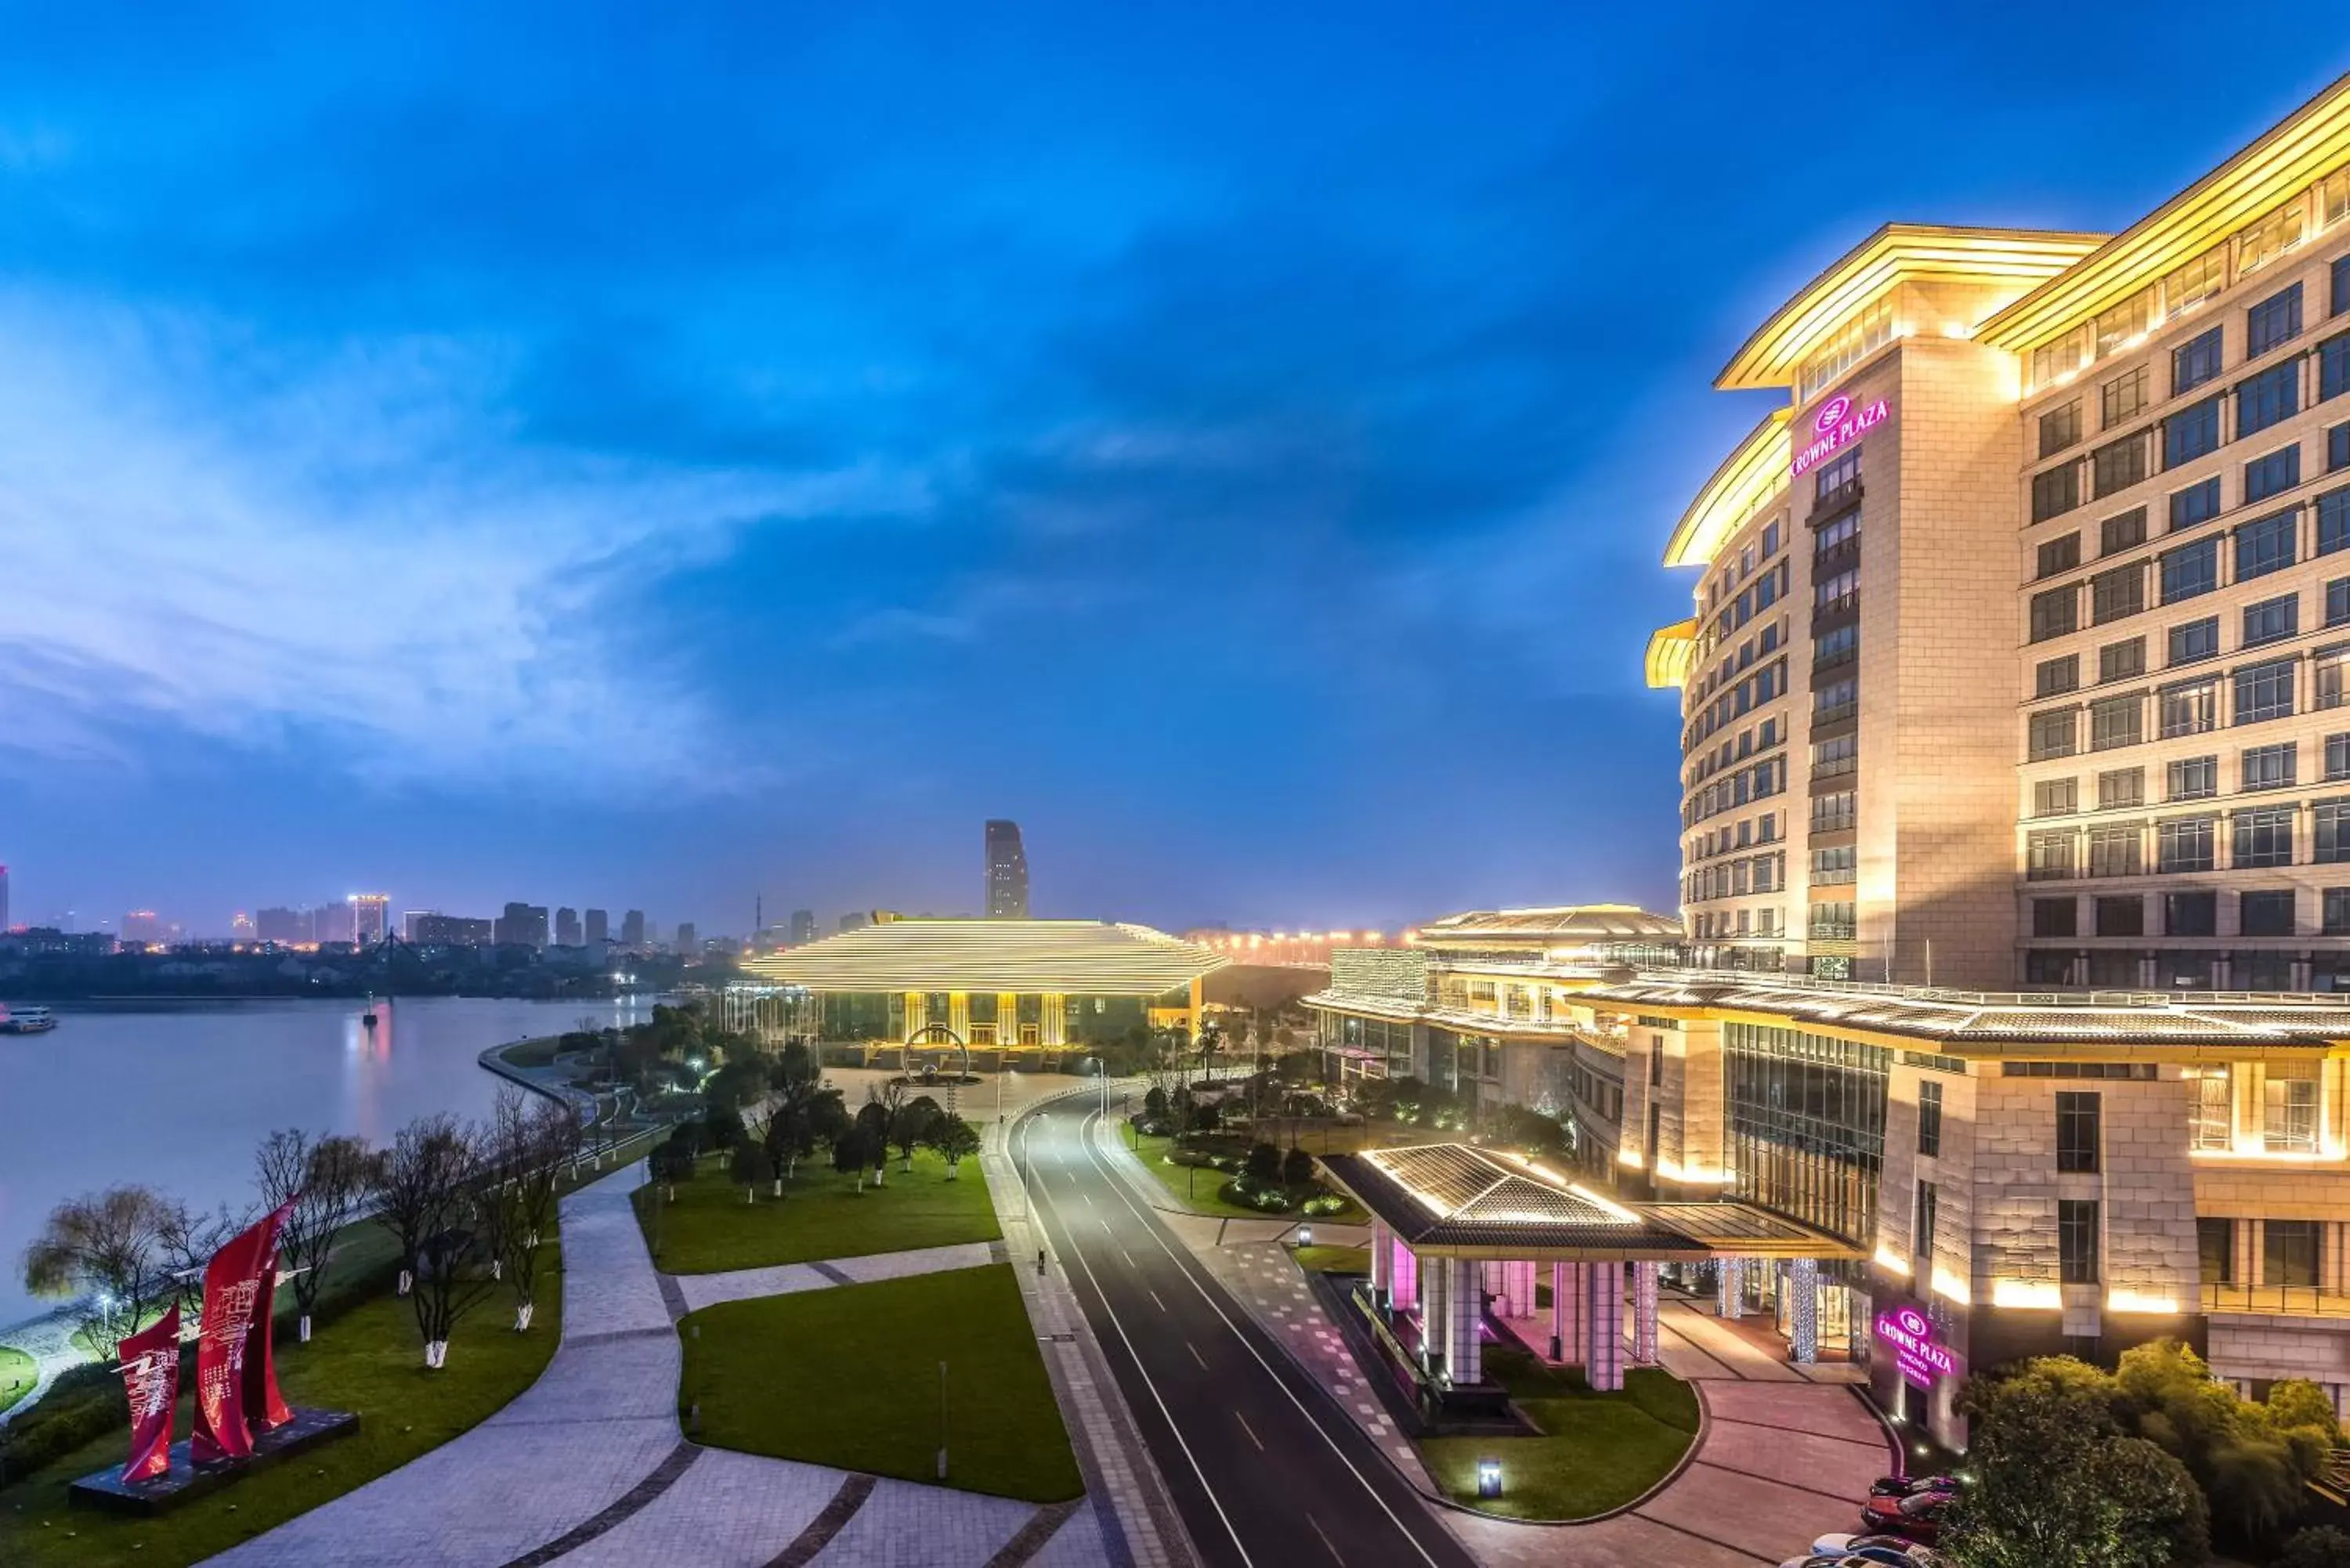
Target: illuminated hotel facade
pixel 2021 631
pixel 999 986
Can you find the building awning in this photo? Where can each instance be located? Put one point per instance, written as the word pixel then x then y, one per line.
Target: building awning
pixel 1729 1229
pixel 1080 957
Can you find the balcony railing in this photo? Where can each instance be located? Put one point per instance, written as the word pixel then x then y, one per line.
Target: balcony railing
pixel 2281 1301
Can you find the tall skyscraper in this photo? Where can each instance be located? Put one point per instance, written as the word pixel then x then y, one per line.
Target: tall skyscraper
pixel 632 928
pixel 141 927
pixel 331 923
pixel 279 924
pixel 370 916
pixel 600 926
pixel 1007 872
pixel 522 925
pixel 437 930
pixel 803 926
pixel 240 927
pixel 685 938
pixel 408 923
pixel 566 926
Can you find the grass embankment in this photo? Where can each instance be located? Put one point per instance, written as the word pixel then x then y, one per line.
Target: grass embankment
pixel 1200 1189
pixel 707 1228
pixel 18 1372
pixel 1599 1452
pixel 369 1360
pixel 1333 1259
pixel 538 1053
pixel 849 1377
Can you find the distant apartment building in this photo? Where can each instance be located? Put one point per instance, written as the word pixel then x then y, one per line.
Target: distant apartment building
pixel 240 927
pixel 803 927
pixel 370 916
pixel 567 927
pixel 632 928
pixel 854 920
pixel 437 930
pixel 688 938
pixel 141 927
pixel 599 927
pixel 279 924
pixel 522 925
pixel 1007 872
pixel 2019 649
pixel 5 926
pixel 331 923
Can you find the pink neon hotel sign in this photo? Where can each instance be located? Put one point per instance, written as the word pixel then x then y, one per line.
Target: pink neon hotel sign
pixel 1836 426
pixel 1921 1356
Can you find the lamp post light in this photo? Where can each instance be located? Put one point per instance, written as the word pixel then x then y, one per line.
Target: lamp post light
pixel 1489 1478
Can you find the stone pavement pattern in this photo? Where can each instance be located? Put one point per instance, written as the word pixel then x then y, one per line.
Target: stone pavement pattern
pixel 1785 1454
pixel 587 1465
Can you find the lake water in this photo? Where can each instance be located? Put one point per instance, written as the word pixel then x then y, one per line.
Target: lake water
pixel 176 1096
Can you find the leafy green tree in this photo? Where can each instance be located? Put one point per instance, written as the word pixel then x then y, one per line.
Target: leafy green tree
pixel 954 1138
pixel 2297 1402
pixel 1265 1164
pixel 803 1113
pixel 721 1127
pixel 910 1127
pixel 1297 1168
pixel 1154 1102
pixel 851 1153
pixel 2322 1546
pixel 750 1168
pixel 743 1080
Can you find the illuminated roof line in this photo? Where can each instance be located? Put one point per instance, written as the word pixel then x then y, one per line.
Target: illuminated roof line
pixel 1078 957
pixel 1754 471
pixel 1671 650
pixel 2300 149
pixel 1774 355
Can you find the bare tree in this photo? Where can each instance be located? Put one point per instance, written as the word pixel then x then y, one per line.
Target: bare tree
pixel 328 1181
pixel 189 1238
pixel 428 1197
pixel 108 1251
pixel 531 1138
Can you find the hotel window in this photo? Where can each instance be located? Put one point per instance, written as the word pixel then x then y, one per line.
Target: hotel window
pixel 2115 329
pixel 2333 367
pixel 2189 570
pixel 1841 474
pixel 2115 852
pixel 2259 243
pixel 1831 811
pixel 2195 639
pixel 2055 491
pixel 2264 692
pixel 2337 601
pixel 2052 362
pixel 2060 555
pixel 2123 397
pixel 2335 909
pixel 1838 865
pixel 1837 592
pixel 2289 1253
pixel 2192 778
pixel 2190 914
pixel 2265 545
pixel 2271 621
pixel 2120 789
pixel 2076 1242
pixel 2340 285
pixel 2121 661
pixel 2289 1107
pixel 2055 676
pixel 1837 700
pixel 2215 1102
pixel 2272 473
pixel 2049 857
pixel 2190 708
pixel 1828 535
pixel 2267 398
pixel 2121 915
pixel 2328 667
pixel 2116 593
pixel 2330 830
pixel 2050 918
pixel 2194 362
pixel 1922 1239
pixel 2263 838
pixel 2056 612
pixel 2078 1116
pixel 1841 755
pixel 2337 758
pixel 2332 521
pixel 2050 797
pixel 2196 503
pixel 2337 449
pixel 2119 464
pixel 2185 844
pixel 2124 530
pixel 2265 913
pixel 2191 434
pixel 2054 734
pixel 2060 428
pixel 1831 921
pixel 2198 281
pixel 2273 321
pixel 2215 1247
pixel 2267 767
pixel 2116 722
pixel 1870 331
pixel 1929 1114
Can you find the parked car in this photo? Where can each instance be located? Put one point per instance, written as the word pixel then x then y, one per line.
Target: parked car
pixel 1909 1486
pixel 1889 1551
pixel 1916 1518
pixel 1829 1560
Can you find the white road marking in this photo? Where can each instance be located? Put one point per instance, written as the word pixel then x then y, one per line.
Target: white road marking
pixel 1198 1357
pixel 1250 1430
pixel 1325 1540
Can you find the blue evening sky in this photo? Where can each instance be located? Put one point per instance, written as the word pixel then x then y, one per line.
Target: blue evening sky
pixel 656 456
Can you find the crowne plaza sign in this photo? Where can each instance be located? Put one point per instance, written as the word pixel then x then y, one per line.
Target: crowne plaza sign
pixel 1838 425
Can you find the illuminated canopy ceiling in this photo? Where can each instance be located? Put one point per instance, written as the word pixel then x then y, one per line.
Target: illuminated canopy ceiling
pixel 1748 478
pixel 1671 648
pixel 1073 956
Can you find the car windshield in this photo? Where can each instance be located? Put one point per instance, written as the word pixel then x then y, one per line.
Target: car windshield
pixel 1925 1504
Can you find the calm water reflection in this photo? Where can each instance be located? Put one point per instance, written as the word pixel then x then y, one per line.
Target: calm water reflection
pixel 176 1096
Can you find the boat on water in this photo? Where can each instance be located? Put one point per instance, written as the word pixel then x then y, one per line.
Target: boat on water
pixel 26 1020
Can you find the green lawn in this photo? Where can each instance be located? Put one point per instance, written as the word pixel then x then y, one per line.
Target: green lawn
pixel 368 1360
pixel 18 1372
pixel 1333 1259
pixel 1202 1192
pixel 849 1377
pixel 709 1230
pixel 1599 1450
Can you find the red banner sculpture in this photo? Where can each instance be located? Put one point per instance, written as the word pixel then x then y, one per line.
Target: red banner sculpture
pixel 151 1374
pixel 265 1406
pixel 238 1283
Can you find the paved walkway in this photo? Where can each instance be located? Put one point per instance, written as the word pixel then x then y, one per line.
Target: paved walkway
pixel 1785 1454
pixel 47 1339
pixel 587 1465
pixel 699 1291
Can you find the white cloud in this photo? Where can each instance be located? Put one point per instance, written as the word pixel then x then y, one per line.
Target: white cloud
pixel 200 533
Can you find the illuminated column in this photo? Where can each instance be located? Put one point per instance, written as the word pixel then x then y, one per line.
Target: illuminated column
pixel 1464 1313
pixel 1057 1013
pixel 1603 1327
pixel 1432 1317
pixel 1403 1277
pixel 1518 1289
pixel 1490 1279
pixel 1199 990
pixel 1382 1261
pixel 1568 1284
pixel 1805 1281
pixel 1007 1018
pixel 1730 1282
pixel 918 1014
pixel 958 1014
pixel 1644 1315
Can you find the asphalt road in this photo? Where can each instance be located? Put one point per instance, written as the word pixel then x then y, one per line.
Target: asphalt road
pixel 1268 1472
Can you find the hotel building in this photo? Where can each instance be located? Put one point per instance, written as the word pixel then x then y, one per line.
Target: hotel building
pixel 2020 635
